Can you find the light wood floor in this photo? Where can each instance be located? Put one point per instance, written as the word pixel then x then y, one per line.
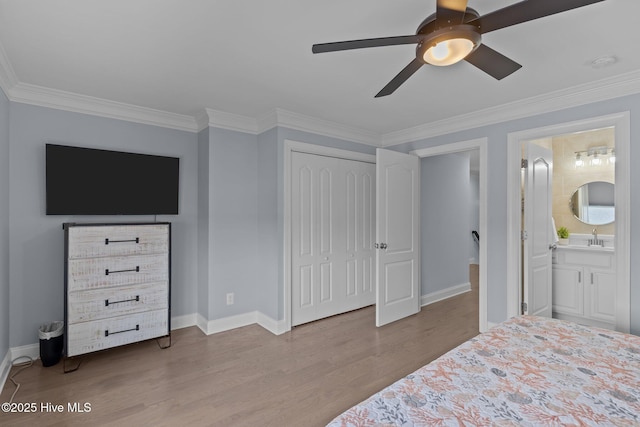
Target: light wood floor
pixel 248 377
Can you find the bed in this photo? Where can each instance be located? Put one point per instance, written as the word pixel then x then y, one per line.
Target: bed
pixel 526 371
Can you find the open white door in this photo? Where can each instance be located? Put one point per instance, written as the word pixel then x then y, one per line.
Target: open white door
pixel 397 236
pixel 537 234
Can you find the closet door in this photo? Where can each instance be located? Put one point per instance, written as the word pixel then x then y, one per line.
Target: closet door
pixel 332 236
pixel 359 237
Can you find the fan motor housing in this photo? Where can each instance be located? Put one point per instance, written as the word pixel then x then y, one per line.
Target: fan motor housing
pixel 430 24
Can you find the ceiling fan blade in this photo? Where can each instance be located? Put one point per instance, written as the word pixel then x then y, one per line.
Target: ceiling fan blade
pixel 451 11
pixel 491 62
pixel 364 43
pixel 524 11
pixel 400 78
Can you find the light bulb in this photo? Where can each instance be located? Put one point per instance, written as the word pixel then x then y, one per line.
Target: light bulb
pixel 612 157
pixel 596 161
pixel 579 161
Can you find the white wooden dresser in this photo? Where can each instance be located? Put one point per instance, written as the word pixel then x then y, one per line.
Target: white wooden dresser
pixel 117 285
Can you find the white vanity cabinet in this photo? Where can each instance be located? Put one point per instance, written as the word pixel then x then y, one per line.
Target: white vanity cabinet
pixel 117 285
pixel 584 285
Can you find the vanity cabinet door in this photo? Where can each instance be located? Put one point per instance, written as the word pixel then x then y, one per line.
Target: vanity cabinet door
pixel 602 295
pixel 568 290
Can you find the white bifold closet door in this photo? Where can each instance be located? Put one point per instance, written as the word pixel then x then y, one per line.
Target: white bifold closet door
pixel 333 233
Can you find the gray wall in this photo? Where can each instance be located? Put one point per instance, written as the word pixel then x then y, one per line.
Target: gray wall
pixel 233 221
pixel 497 191
pixel 4 226
pixel 270 259
pixel 36 240
pixel 446 214
pixel 204 276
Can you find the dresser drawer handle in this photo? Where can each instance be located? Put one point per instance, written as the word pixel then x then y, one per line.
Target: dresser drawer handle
pixel 107 241
pixel 107 333
pixel 108 272
pixel 107 302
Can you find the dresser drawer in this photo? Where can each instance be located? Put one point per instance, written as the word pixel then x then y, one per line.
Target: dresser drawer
pixel 98 304
pixel 117 240
pixel 94 273
pixel 101 334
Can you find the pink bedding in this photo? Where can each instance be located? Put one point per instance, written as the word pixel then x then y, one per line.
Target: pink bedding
pixel 527 371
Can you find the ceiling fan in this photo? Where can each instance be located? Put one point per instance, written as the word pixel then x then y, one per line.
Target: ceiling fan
pixel 454 33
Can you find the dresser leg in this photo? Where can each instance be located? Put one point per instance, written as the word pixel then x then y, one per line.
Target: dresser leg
pixel 167 342
pixel 72 369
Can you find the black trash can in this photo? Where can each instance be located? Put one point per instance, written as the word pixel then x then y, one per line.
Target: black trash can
pixel 51 343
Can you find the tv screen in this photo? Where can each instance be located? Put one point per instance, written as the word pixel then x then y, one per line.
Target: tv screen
pixel 87 181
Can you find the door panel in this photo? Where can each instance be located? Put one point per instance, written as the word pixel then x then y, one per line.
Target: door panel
pixel 603 295
pixel 538 226
pixel 401 275
pixel 398 234
pixel 332 223
pixel 568 290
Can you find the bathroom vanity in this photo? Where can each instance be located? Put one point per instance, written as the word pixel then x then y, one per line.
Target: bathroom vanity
pixel 584 282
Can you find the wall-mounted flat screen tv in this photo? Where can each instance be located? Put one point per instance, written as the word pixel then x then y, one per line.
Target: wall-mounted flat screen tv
pixel 87 181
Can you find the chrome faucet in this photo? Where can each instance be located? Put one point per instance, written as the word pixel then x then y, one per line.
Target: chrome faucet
pixel 595 241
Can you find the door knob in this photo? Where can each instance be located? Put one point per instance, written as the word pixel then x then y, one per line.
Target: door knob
pixel 383 246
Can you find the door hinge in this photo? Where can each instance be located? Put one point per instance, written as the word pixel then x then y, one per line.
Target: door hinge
pixel 524 308
pixel 524 235
pixel 524 163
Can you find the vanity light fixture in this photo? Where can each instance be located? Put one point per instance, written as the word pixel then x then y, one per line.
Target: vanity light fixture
pixel 597 154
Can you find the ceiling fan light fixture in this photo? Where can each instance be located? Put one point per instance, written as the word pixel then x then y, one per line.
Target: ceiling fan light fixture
pixel 449 45
pixel 448 52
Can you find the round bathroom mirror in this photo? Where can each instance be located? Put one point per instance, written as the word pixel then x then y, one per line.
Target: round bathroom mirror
pixel 593 203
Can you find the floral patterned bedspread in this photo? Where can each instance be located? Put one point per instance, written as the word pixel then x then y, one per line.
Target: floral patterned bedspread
pixel 526 371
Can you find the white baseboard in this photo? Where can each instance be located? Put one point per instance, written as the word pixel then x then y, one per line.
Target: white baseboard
pixel 186 321
pixel 443 294
pixel 5 367
pixel 215 326
pixel 29 350
pixel 276 327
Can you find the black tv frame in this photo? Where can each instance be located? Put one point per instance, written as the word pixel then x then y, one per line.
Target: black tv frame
pixel 91 181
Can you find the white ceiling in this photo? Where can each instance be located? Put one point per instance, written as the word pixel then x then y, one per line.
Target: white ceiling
pixel 248 57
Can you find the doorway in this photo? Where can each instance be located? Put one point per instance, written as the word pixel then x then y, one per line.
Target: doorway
pixel 515 270
pixel 480 147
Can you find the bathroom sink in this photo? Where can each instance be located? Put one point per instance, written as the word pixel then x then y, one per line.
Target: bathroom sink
pixel 587 248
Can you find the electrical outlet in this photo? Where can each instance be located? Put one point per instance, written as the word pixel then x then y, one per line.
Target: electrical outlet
pixel 230 298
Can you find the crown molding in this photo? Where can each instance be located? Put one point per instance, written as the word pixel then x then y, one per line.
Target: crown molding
pixel 283 118
pixel 601 90
pixel 7 75
pixel 304 123
pixel 230 121
pixel 68 101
